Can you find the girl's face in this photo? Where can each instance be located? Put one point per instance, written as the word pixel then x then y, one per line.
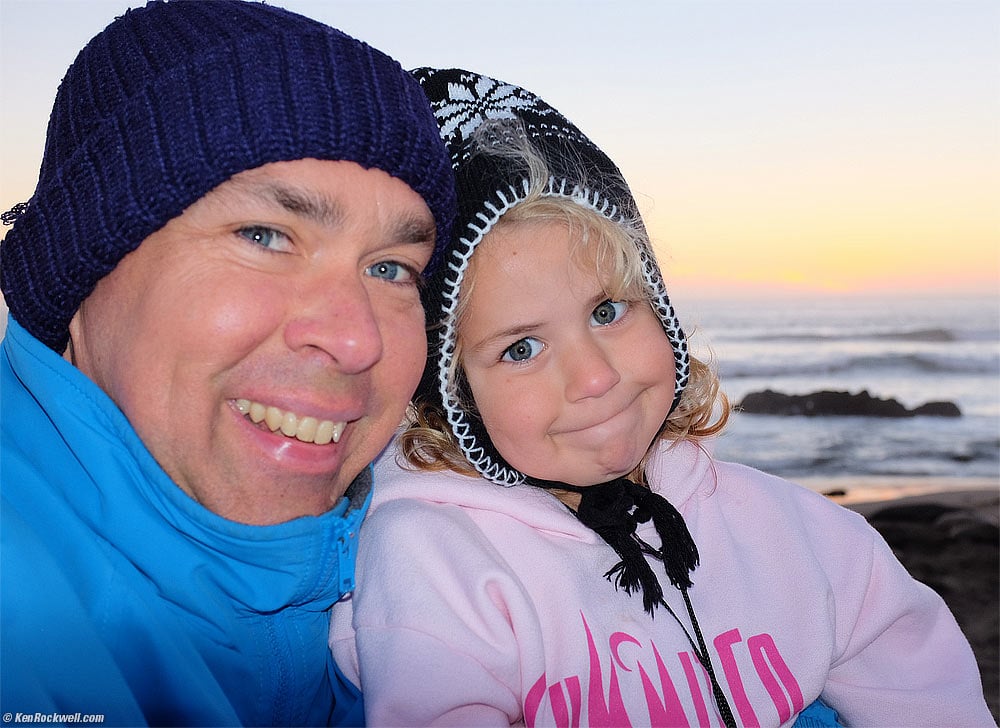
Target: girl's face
pixel 571 386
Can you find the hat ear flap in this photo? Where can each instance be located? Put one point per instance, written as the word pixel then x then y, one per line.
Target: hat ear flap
pixel 473 439
pixel 477 428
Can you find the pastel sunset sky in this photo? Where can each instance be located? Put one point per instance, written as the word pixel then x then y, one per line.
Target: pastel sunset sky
pixel 788 146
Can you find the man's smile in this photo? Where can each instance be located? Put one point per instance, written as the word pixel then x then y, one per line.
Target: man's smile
pixel 290 424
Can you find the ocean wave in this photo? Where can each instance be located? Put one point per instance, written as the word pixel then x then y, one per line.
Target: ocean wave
pixel 834 447
pixel 988 364
pixel 919 335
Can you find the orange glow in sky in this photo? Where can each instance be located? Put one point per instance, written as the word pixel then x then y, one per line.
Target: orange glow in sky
pixel 830 146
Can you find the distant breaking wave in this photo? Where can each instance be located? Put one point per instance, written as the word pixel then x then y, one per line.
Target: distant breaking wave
pixel 932 336
pixel 916 363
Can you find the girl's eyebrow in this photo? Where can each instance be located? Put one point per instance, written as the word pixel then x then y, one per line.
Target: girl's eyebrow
pixel 518 331
pixel 598 298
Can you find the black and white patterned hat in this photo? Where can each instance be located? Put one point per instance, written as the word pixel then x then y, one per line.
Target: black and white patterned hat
pixel 488 187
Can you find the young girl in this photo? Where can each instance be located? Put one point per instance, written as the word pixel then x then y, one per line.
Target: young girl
pixel 552 545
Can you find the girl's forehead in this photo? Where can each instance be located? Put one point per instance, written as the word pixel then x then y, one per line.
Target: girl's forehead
pixel 526 256
pixel 522 243
pixel 552 252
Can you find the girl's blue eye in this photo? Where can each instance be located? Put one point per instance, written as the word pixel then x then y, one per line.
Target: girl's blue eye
pixel 608 312
pixel 522 350
pixel 265 237
pixel 392 271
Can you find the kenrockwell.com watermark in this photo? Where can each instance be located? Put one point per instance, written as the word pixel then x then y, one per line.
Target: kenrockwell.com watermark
pixel 92 718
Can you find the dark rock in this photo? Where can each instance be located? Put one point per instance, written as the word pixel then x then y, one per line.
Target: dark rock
pixel 823 403
pixel 913 512
pixel 938 409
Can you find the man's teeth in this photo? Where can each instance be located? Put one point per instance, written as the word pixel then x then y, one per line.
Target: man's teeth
pixel 306 429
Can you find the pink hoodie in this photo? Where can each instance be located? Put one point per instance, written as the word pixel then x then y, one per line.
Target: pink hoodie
pixel 483 605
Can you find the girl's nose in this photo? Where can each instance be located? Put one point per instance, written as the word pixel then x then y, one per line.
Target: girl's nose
pixel 590 372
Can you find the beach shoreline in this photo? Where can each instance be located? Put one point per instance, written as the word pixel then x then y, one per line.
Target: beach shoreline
pixel 945 532
pixel 866 493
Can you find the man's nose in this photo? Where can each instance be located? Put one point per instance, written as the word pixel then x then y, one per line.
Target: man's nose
pixel 337 319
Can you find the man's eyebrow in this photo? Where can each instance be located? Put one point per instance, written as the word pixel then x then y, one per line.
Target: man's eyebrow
pixel 416 229
pixel 304 204
pixel 410 228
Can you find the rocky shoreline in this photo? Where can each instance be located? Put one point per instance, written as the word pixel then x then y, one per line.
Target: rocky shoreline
pixel 827 403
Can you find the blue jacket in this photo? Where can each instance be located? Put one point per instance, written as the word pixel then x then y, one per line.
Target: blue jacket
pixel 122 596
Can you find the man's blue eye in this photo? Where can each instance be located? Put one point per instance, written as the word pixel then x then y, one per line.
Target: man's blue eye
pixel 608 312
pixel 265 237
pixel 391 271
pixel 522 350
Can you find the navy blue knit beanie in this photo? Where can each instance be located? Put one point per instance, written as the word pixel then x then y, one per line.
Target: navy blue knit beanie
pixel 171 100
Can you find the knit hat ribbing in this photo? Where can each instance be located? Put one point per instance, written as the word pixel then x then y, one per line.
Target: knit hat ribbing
pixel 488 187
pixel 173 99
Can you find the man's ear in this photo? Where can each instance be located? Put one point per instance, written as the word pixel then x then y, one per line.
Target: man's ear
pixel 74 331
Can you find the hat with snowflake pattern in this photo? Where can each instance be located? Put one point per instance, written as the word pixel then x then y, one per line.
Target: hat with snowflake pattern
pixel 488 187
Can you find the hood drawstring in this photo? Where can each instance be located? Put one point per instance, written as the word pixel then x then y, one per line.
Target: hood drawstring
pixel 613 510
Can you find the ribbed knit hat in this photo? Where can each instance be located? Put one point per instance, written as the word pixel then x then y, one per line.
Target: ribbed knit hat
pixel 489 186
pixel 171 100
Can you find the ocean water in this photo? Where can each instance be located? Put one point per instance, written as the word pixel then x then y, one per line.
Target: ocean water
pixel 910 350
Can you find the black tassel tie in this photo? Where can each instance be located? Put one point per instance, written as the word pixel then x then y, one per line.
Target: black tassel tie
pixel 614 510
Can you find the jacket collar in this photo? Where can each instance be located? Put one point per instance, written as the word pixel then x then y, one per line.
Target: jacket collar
pixel 90 457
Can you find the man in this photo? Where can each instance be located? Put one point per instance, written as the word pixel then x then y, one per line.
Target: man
pixel 215 327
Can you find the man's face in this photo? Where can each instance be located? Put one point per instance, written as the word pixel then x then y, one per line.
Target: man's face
pixel 288 293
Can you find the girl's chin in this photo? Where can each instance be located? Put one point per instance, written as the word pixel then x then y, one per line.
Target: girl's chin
pixel 596 478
